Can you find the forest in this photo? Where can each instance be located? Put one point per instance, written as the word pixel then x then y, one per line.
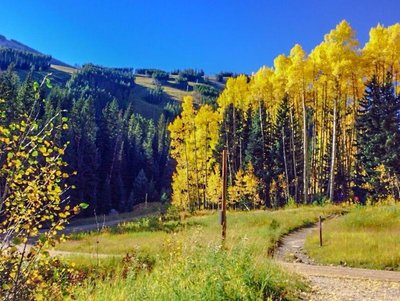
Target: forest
pixel 315 127
pixel 23 59
pixel 307 130
pixel 118 157
pixel 311 139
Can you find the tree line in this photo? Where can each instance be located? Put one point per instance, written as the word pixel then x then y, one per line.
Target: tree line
pixel 314 127
pixel 118 157
pixel 23 59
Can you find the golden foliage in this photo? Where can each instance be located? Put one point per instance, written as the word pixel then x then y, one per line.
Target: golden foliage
pixel 32 209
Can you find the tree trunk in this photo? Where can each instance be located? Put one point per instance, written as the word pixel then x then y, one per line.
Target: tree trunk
pixel 305 152
pixel 296 180
pixel 333 156
pixel 187 177
pixel 286 167
pixel 196 167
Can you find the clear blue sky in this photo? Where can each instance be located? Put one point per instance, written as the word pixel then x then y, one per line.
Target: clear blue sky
pixel 214 35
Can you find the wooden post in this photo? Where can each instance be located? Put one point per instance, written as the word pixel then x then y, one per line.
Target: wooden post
pixel 320 231
pixel 224 184
pixel 145 201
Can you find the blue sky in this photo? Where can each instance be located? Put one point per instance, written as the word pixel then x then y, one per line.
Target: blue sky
pixel 214 35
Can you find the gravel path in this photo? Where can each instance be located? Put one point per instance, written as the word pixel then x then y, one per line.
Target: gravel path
pixel 335 282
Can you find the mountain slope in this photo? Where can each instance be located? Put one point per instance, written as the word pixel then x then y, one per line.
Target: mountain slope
pixel 13 44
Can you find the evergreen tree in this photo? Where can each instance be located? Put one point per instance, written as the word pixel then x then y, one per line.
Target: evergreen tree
pixel 378 139
pixel 82 152
pixel 110 143
pixel 258 150
pixel 8 93
pixel 286 152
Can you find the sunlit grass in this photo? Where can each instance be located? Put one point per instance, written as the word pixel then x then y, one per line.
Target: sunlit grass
pixel 138 211
pixel 169 88
pixel 191 262
pixel 192 272
pixel 65 69
pixel 366 237
pixel 259 229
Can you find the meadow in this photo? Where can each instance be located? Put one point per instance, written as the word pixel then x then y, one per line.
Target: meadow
pixel 368 237
pixel 186 259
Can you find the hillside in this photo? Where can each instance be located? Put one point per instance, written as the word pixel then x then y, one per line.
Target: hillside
pixel 13 44
pixel 117 121
pixel 148 97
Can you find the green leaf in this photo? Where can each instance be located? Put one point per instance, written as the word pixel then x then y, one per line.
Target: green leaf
pixel 84 205
pixel 48 83
pixel 42 238
pixel 16 241
pixel 35 86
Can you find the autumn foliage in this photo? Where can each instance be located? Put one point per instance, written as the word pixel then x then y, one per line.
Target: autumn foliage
pixel 33 207
pixel 305 149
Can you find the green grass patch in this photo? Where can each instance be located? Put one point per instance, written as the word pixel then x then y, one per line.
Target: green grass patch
pixel 137 212
pixel 193 272
pixel 189 261
pixel 367 237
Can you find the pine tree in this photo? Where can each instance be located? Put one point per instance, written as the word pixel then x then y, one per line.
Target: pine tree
pixel 258 150
pixel 82 153
pixel 378 139
pixel 8 93
pixel 286 151
pixel 111 145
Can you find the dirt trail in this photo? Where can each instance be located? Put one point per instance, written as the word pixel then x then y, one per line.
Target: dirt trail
pixel 83 228
pixel 335 282
pixel 95 226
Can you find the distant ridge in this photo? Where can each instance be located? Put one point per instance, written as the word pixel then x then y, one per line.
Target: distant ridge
pixel 13 44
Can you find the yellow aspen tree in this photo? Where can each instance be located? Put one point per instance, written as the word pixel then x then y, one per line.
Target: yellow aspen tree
pixel 252 184
pixel 33 207
pixel 180 179
pixel 207 127
pixel 261 89
pixel 237 191
pixel 374 50
pixel 392 52
pixel 214 187
pixel 182 150
pixel 298 80
pixel 342 55
pixel 280 76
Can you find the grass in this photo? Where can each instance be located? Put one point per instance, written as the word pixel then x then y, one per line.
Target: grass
pixel 259 229
pixel 197 273
pixel 169 87
pixel 138 211
pixel 65 69
pixel 367 237
pixel 57 77
pixel 187 260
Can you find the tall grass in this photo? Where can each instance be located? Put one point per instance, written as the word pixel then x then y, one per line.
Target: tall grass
pixel 366 237
pixel 192 263
pixel 197 273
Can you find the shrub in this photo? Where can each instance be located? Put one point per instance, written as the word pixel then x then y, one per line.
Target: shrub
pixel 33 199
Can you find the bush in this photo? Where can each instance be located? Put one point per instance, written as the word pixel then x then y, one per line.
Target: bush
pixel 192 75
pixel 182 82
pixel 155 95
pixel 32 199
pixel 160 76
